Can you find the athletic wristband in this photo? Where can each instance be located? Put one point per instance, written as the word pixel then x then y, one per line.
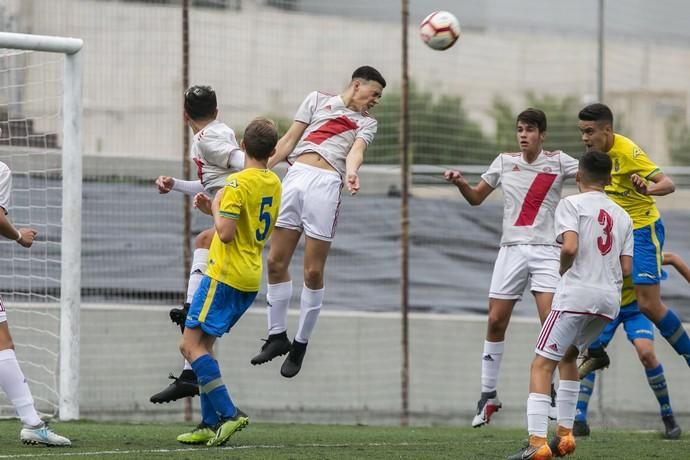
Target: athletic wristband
pixel 19 238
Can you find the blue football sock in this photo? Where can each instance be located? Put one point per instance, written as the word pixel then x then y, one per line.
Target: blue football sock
pixel 210 383
pixel 208 414
pixel 586 390
pixel 672 330
pixel 657 382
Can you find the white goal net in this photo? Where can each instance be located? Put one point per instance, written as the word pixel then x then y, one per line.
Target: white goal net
pixel 31 123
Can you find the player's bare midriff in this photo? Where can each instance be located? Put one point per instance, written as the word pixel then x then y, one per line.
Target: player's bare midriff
pixel 314 159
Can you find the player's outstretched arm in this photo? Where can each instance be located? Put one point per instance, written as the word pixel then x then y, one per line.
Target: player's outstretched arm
pixel 669 258
pixel 658 185
pixel 287 143
pixel 353 162
pixel 474 195
pixel 166 184
pixel 23 236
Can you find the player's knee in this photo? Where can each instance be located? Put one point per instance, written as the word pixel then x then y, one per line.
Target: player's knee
pixel 647 358
pixel 185 348
pixel 276 265
pixel 203 239
pixel 313 278
pixel 540 366
pixel 497 323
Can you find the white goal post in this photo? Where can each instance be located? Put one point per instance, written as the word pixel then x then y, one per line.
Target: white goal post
pixel 70 282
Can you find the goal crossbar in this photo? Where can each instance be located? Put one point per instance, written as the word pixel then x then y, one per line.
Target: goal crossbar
pixel 70 282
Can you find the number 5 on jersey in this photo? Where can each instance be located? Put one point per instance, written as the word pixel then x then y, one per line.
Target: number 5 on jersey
pixel 264 217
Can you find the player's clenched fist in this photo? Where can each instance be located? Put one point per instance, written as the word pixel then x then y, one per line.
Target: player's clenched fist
pixel 164 184
pixel 28 236
pixel 454 177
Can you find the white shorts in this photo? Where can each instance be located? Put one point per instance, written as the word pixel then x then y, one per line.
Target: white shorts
pixel 563 329
pixel 516 264
pixel 310 201
pixel 3 313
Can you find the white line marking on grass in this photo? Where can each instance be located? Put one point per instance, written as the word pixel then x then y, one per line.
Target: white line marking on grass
pixel 211 449
pixel 261 446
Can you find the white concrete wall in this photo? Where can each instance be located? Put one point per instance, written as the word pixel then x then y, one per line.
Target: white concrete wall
pixel 351 372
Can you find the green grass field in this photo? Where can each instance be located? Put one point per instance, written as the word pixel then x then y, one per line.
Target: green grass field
pixel 292 441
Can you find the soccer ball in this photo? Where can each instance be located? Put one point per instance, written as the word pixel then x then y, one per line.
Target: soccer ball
pixel 440 30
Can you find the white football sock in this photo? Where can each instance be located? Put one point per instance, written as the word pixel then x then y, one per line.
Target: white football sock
pixel 566 402
pixel 310 307
pixel 14 385
pixel 538 414
pixel 278 297
pixel 196 274
pixel 491 365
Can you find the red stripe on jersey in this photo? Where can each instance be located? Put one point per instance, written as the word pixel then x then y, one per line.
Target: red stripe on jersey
pixel 331 128
pixel 534 198
pixel 199 165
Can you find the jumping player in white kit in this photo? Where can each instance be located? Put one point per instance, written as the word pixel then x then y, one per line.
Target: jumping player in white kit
pixel 532 180
pixel 325 147
pixel 596 253
pixel 216 153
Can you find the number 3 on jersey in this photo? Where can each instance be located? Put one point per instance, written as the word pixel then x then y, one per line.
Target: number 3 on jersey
pixel 606 243
pixel 265 217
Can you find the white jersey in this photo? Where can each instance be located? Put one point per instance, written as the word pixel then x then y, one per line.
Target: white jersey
pixel 5 186
pixel 216 153
pixel 332 129
pixel 605 233
pixel 531 192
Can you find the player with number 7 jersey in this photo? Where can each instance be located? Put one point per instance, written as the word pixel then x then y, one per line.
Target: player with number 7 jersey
pixel 532 181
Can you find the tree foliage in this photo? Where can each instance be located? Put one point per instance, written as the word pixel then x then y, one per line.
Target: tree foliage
pixel 441 131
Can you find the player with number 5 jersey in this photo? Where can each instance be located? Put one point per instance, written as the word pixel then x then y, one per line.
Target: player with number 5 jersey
pixel 244 213
pixel 325 147
pixel 532 180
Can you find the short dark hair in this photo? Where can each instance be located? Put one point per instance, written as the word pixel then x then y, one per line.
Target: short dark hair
pixel 200 102
pixel 369 74
pixel 260 138
pixel 596 112
pixel 533 117
pixel 596 167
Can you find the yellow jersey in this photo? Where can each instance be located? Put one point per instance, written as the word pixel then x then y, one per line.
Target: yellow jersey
pixel 630 159
pixel 627 292
pixel 252 197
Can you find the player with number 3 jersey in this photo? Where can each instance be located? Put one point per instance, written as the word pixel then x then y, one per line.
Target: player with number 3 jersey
pixel 532 180
pixel 596 237
pixel 325 147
